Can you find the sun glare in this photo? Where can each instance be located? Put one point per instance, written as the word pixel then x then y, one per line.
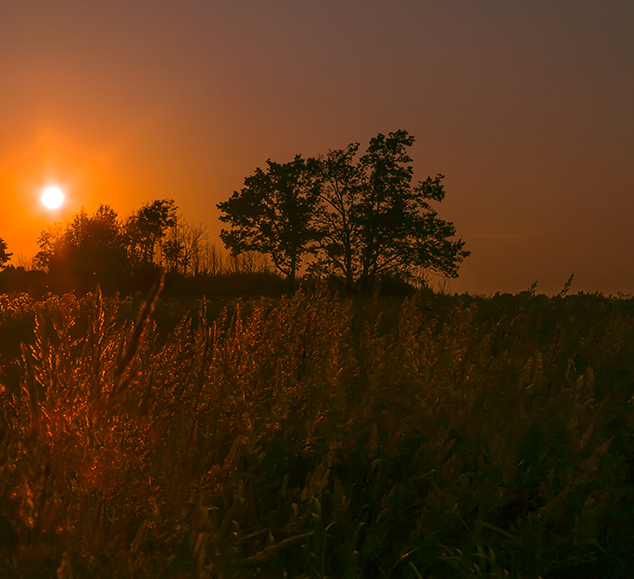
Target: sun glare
pixel 52 197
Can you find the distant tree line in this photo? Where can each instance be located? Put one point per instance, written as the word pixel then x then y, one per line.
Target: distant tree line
pixel 357 218
pixel 111 248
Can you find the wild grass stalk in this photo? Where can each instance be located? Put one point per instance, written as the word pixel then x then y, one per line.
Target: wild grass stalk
pixel 313 436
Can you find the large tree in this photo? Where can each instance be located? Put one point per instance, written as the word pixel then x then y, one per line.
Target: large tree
pixel 373 222
pixel 5 256
pixel 273 214
pixel 360 216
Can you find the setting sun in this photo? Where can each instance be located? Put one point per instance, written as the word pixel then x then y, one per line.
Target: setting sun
pixel 52 197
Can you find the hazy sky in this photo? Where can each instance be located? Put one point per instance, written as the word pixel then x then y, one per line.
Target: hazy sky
pixel 526 106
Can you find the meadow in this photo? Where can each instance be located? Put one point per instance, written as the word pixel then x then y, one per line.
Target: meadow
pixel 315 436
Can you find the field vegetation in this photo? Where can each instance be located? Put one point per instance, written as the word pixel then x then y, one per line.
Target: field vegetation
pixel 317 436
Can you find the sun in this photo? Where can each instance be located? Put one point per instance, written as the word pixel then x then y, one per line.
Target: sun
pixel 52 197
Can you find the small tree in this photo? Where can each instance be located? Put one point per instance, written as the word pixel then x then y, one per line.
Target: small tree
pixel 272 214
pixel 174 256
pixel 147 229
pixel 5 256
pixel 46 242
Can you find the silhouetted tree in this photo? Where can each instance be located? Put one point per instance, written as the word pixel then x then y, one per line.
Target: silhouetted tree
pixel 46 243
pixel 337 216
pixel 272 214
pixel 5 256
pixel 182 249
pixel 87 245
pixel 360 216
pixel 174 255
pixel 147 229
pixel 372 222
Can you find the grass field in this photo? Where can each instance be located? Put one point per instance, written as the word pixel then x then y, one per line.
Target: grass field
pixel 316 436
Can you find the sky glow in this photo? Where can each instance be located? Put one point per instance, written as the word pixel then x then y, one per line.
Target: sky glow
pixel 525 107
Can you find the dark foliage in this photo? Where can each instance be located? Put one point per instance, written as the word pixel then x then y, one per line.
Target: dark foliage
pixel 88 245
pixel 272 214
pixel 373 222
pixel 106 249
pixel 359 217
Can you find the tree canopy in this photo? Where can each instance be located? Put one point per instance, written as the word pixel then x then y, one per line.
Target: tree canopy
pixel 273 214
pixel 87 245
pixel 147 229
pixel 110 248
pixel 360 217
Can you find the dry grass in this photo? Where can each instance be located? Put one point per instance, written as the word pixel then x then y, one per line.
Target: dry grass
pixel 315 437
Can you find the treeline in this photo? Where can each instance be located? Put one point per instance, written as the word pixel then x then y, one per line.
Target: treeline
pixel 357 219
pixel 111 248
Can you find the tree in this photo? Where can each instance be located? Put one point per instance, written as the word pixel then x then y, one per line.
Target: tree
pixel 46 243
pixel 5 256
pixel 146 231
pixel 372 222
pixel 336 217
pixel 213 262
pixel 174 256
pixel 88 245
pixel 273 214
pixel 361 217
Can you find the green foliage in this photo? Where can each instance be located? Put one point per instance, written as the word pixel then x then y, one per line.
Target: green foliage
pixel 313 437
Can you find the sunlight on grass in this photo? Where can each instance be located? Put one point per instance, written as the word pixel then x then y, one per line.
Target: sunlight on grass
pixel 314 436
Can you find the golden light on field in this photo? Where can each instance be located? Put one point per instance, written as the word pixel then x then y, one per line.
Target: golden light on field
pixel 52 197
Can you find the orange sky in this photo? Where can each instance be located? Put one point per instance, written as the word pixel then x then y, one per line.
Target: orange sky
pixel 526 107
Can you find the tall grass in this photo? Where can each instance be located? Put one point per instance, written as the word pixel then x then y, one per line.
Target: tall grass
pixel 316 437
